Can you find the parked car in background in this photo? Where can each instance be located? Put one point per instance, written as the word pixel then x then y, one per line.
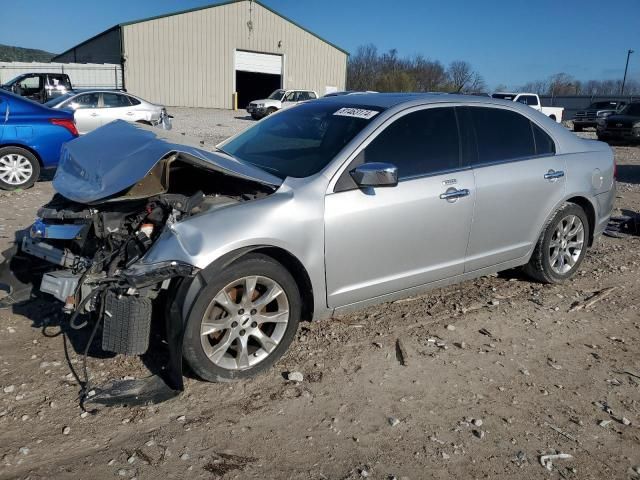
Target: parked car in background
pixel 39 87
pixel 589 116
pixel 310 213
pixel 533 100
pixel 31 136
pixel 94 108
pixel 278 100
pixel 624 125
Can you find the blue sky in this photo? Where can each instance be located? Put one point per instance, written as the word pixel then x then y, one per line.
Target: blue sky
pixel 509 42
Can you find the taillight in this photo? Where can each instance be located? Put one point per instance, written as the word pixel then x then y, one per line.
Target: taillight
pixel 66 123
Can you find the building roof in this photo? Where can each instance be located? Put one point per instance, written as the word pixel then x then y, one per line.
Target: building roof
pixel 204 7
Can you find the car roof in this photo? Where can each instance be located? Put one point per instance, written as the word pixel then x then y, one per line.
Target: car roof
pixel 389 100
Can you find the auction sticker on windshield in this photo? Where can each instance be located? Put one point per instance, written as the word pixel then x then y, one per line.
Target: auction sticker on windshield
pixel 356 113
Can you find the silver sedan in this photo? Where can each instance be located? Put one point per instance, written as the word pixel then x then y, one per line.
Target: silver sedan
pixel 95 108
pixel 327 207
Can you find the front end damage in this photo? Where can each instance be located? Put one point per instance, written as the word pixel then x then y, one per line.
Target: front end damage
pixel 119 188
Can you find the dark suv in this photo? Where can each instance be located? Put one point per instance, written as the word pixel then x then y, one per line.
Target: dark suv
pixel 40 87
pixel 624 125
pixel 589 116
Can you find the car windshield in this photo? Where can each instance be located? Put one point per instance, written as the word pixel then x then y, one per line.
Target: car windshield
pixel 300 141
pixel 13 80
pixel 632 109
pixel 277 95
pixel 58 100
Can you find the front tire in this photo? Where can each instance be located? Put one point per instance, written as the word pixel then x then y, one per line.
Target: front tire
pixel 243 321
pixel 577 128
pixel 561 247
pixel 19 168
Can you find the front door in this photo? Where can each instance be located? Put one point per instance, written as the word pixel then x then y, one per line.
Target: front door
pixel 383 240
pixel 86 112
pixel 518 179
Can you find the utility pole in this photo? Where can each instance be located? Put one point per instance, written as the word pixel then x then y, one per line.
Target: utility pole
pixel 626 67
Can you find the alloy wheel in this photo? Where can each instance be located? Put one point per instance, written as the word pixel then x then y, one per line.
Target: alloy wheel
pixel 566 244
pixel 244 323
pixel 15 169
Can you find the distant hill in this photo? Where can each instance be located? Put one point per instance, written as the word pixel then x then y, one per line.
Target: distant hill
pixel 19 54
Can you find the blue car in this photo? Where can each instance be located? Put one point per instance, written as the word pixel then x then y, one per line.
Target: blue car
pixel 31 136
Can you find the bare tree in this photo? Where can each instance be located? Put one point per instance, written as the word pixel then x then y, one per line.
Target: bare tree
pixel 460 74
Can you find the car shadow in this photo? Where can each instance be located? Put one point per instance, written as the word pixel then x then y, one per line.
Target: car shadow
pixel 629 174
pixel 244 117
pixel 47 175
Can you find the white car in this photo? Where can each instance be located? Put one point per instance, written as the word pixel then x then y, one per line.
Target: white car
pixel 278 100
pixel 533 100
pixel 94 108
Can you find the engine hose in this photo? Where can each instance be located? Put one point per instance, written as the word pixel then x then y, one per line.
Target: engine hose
pixel 80 307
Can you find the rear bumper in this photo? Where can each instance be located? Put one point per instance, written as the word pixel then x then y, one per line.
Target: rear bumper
pixel 605 202
pixel 585 123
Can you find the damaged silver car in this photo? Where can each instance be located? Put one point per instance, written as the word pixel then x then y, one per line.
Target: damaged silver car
pixel 326 207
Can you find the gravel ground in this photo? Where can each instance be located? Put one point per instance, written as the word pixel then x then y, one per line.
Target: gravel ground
pixel 209 123
pixel 495 374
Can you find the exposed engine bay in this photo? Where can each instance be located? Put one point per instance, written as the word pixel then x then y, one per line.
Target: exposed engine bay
pixel 87 254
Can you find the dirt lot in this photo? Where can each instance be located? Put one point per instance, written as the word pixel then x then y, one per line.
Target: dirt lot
pixel 499 371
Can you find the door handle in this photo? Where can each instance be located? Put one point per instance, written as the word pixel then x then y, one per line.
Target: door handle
pixel 452 194
pixel 129 113
pixel 553 175
pixel 94 114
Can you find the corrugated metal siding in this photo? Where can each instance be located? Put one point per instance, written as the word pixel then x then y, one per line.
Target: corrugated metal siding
pixel 188 59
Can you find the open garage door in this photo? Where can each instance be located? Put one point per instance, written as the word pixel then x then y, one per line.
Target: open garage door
pixel 257 75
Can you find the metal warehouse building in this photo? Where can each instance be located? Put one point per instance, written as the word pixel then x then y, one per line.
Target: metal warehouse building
pixel 200 57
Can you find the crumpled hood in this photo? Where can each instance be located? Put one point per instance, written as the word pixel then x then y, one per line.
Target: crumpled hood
pixel 114 157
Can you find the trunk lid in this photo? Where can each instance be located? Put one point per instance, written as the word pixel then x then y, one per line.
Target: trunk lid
pixel 115 157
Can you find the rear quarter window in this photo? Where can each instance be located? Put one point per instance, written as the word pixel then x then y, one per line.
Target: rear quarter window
pixel 544 143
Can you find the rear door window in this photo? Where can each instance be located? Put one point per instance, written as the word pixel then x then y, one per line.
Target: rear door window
pixel 421 143
pixel 59 81
pixel 530 100
pixel 134 101
pixel 115 100
pixel 501 135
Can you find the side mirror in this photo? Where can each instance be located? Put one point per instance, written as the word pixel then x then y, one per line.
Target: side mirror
pixel 375 174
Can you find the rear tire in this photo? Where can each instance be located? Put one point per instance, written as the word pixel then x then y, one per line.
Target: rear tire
pixel 19 168
pixel 243 321
pixel 561 247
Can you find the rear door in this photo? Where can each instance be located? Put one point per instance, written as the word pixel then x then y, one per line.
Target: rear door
pixel 383 240
pixel 519 180
pixel 117 106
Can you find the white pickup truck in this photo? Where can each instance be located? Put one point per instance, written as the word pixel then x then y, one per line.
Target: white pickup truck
pixel 533 100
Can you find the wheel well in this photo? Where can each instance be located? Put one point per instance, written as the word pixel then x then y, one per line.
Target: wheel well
pixel 24 147
pixel 144 122
pixel 299 273
pixel 552 117
pixel 590 211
